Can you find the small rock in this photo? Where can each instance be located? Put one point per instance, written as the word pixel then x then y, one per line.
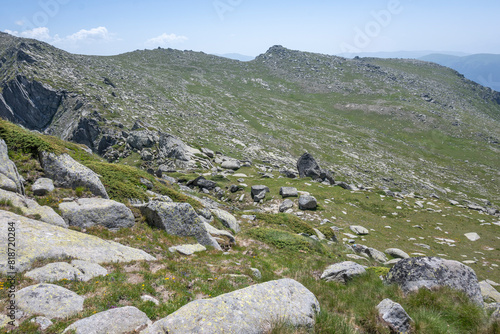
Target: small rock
pixel 42 186
pixel 187 249
pixel 472 236
pixel 43 322
pixel 288 192
pixel 394 316
pixel 397 253
pixel 342 272
pixel 259 192
pixel 147 298
pixel 231 164
pixel 287 204
pixel 256 273
pixel 359 230
pixel 307 202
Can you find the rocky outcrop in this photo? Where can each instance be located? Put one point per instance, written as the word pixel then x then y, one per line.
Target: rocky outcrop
pixel 87 212
pixel 78 270
pixel 30 207
pixel 394 315
pixel 308 167
pixel 9 177
pixel 120 320
pixel 250 310
pixel 51 301
pixel 29 103
pixel 37 241
pixel 178 219
pixel 429 272
pixel 342 272
pixel 67 173
pixel 227 219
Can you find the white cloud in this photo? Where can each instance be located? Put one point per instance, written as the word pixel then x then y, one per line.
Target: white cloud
pixel 19 22
pixel 94 34
pixel 41 34
pixel 165 40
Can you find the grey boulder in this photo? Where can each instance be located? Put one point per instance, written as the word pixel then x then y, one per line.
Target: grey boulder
pixel 342 272
pixel 51 301
pixel 250 310
pixel 288 192
pixel 67 173
pixel 227 219
pixel 9 177
pixel 397 253
pixel 307 202
pixel 231 164
pixel 259 192
pixel 394 315
pixel 187 249
pixel 287 204
pixel 429 272
pixel 488 292
pixel 359 230
pixel 117 321
pixel 87 212
pixel 42 186
pixel 178 219
pixel 308 167
pixel 78 270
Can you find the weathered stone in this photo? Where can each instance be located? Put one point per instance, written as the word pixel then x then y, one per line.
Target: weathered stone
pixel 308 167
pixel 256 273
pixel 216 232
pixel 227 219
pixel 203 183
pixel 30 207
pixel 342 272
pixel 259 192
pixel 87 212
pixel 473 236
pixel 394 316
pixel 231 164
pixel 43 322
pixel 489 293
pixel 147 298
pixel 149 185
pixel 89 269
pixel 142 139
pixel 320 235
pixel 172 147
pixel 116 320
pixel 208 152
pixel 67 173
pixel 250 310
pixel 178 219
pixel 51 301
pixel 418 272
pixel 288 192
pixel 187 249
pixel 53 272
pixel 397 253
pixel 287 204
pixel 359 230
pixel 307 202
pixel 42 186
pixel 38 240
pixel 9 177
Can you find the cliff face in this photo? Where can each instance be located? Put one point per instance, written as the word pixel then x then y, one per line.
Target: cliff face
pixel 29 103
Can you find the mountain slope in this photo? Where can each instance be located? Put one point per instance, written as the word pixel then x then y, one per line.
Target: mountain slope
pixel 404 124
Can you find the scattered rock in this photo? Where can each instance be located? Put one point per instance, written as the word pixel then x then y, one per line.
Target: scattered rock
pixel 88 212
pixel 231 164
pixel 51 301
pixel 307 202
pixel 116 320
pixel 203 183
pixel 472 236
pixel 359 230
pixel 371 252
pixel 42 186
pixel 394 316
pixel 147 298
pixel 256 273
pixel 288 192
pixel 37 241
pixel 320 235
pixel 178 219
pixel 67 173
pixel 414 273
pixel 227 219
pixel 10 179
pixel 308 167
pixel 342 272
pixel 259 192
pixel 250 310
pixel 287 204
pixel 187 249
pixel 397 253
pixel 216 232
pixel 489 293
pixel 43 322
pixel 208 152
pixel 149 185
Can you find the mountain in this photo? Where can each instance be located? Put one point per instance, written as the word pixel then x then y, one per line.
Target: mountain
pixel 407 125
pixel 401 54
pixel 236 56
pixel 481 68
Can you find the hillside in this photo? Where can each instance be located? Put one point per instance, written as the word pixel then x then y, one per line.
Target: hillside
pixel 402 124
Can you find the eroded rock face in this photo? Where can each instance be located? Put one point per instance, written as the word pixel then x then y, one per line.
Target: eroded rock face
pixel 429 272
pixel 9 177
pixel 67 173
pixel 39 240
pixel 250 310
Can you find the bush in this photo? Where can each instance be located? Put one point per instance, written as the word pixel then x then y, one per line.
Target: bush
pixel 294 223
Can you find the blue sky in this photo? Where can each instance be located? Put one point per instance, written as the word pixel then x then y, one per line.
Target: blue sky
pixel 250 27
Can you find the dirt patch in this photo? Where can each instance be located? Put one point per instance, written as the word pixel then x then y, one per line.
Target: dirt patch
pixel 135 279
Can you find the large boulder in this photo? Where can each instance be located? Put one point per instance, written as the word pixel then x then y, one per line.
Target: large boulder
pixel 488 292
pixel 231 164
pixel 430 272
pixel 172 147
pixel 51 301
pixel 178 219
pixel 9 177
pixel 227 219
pixel 37 240
pixel 87 212
pixel 258 192
pixel 308 167
pixel 394 315
pixel 307 202
pixel 120 320
pixel 78 270
pixel 342 272
pixel 30 207
pixel 250 310
pixel 141 139
pixel 288 192
pixel 67 173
